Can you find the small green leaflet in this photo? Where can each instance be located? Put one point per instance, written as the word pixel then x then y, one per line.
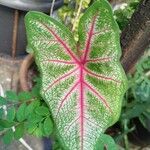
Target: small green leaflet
pixel 42 110
pixel 11 113
pixel 11 96
pixel 21 112
pixel 8 136
pixel 48 126
pixel 19 131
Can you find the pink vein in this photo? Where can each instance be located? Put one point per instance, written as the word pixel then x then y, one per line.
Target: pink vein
pixel 72 123
pixel 99 96
pixel 66 96
pixel 100 32
pixel 97 125
pixel 88 42
pixel 99 60
pixel 61 78
pixel 62 43
pixel 76 108
pixel 81 106
pixel 100 76
pixel 60 61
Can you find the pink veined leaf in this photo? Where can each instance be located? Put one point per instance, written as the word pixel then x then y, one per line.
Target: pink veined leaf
pixel 84 92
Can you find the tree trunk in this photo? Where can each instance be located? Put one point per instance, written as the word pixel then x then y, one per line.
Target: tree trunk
pixel 135 37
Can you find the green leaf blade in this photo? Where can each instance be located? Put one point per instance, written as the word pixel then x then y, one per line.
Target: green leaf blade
pixel 11 96
pixel 11 113
pixel 106 142
pixel 21 112
pixel 34 118
pixel 48 126
pixel 8 137
pixel 83 85
pixel 31 107
pixel 19 131
pixel 24 96
pixel 6 123
pixel 42 110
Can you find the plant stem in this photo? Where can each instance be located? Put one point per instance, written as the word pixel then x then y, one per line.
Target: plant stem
pixel 2 132
pixel 125 128
pixel 13 104
pixel 15 31
pixel 77 15
pixel 52 7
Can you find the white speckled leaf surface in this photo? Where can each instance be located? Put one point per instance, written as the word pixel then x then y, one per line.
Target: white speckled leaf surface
pixel 83 85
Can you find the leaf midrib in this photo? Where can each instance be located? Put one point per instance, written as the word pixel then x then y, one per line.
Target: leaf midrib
pixel 83 71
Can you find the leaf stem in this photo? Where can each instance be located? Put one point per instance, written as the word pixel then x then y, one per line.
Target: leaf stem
pixel 13 104
pixel 2 132
pixel 77 16
pixel 52 7
pixel 126 142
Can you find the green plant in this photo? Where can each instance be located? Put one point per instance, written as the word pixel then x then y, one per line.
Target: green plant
pixel 71 13
pixel 24 113
pixel 82 83
pixel 136 103
pixel 123 16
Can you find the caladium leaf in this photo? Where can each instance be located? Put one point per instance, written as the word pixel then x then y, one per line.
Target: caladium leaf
pixel 83 83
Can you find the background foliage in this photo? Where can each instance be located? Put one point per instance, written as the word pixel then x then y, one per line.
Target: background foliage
pixel 25 112
pixel 123 14
pixel 136 104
